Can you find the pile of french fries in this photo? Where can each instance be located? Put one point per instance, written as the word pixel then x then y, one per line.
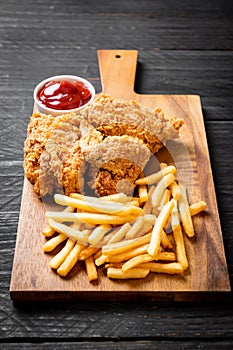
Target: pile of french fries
pixel 129 237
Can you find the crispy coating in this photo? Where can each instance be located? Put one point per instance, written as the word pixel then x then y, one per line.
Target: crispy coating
pixel 59 150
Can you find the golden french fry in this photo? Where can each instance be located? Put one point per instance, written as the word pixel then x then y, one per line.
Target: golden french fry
pixel 175 190
pixel 147 228
pixel 185 213
pixel 48 231
pixel 114 265
pixel 166 256
pixel 143 193
pixel 149 218
pixel 77 196
pixel 90 218
pixel 53 242
pixel 161 221
pixel 137 226
pixel 97 254
pixel 91 269
pixel 178 237
pixel 70 260
pixel 137 260
pixel 98 233
pixel 148 205
pixel 151 179
pixel 165 242
pixel 120 234
pixel 70 232
pixel 98 205
pixel 196 208
pixel 133 273
pixel 166 198
pixel 122 246
pixel 160 189
pixel 87 252
pixel 170 268
pixel 127 255
pixel 101 260
pixel 117 197
pixel 58 259
pixel 163 165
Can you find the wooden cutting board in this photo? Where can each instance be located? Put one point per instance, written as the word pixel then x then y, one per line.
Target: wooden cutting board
pixel 207 277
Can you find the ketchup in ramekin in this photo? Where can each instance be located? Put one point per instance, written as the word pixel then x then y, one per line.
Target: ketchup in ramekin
pixel 63 94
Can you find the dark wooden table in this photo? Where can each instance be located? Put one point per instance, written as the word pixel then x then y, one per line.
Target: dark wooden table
pixel 185 47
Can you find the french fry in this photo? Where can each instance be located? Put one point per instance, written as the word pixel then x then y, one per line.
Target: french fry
pixel 87 252
pixel 77 196
pixel 147 227
pixel 135 201
pixel 175 190
pixel 53 242
pixel 156 237
pixel 98 233
pixel 185 213
pixel 48 231
pixel 137 260
pixel 133 273
pixel 68 231
pixel 160 188
pixel 58 259
pixel 117 197
pixel 166 256
pixel 91 269
pixel 130 240
pixel 151 179
pixel 90 218
pixel 120 234
pixel 101 260
pixel 127 255
pixel 70 260
pixel 149 218
pixel 163 166
pixel 170 268
pixel 137 225
pixel 122 246
pixel 143 194
pixel 98 205
pixel 179 240
pixel 97 254
pixel 166 198
pixel 165 242
pixel 196 208
pixel 114 265
pixel 148 205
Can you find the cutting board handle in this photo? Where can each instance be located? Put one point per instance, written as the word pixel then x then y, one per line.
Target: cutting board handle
pixel 117 71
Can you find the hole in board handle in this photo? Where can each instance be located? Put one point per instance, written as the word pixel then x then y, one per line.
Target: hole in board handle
pixel 118 56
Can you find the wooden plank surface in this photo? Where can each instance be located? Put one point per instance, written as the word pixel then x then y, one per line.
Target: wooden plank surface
pixel 208 271
pixel 185 47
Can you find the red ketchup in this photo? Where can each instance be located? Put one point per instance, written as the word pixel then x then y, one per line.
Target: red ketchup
pixel 64 94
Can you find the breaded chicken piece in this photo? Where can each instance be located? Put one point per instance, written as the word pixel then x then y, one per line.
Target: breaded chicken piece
pixel 49 140
pixel 115 159
pixel 58 149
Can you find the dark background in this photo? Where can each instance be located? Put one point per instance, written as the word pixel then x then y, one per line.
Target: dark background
pixel 185 47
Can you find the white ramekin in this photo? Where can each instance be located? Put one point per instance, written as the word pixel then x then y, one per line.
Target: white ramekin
pixel 46 110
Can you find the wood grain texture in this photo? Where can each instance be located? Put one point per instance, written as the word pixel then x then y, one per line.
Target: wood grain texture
pixel 206 274
pixel 185 47
pixel 172 25
pixel 126 345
